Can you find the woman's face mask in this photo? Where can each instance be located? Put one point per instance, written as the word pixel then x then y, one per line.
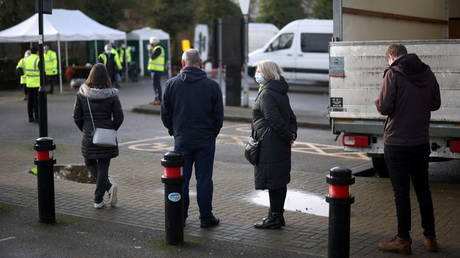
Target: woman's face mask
pixel 259 78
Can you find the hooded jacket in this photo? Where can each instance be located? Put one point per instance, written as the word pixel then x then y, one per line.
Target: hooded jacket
pixel 107 113
pixel 408 95
pixel 192 108
pixel 272 114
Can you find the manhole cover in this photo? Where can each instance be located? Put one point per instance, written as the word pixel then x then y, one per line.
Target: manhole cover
pixel 75 173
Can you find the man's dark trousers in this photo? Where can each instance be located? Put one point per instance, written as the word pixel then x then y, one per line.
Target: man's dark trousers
pixel 32 104
pixel 405 163
pixel 202 157
pixel 156 77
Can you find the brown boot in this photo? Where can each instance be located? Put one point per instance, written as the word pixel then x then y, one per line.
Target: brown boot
pixel 398 245
pixel 430 244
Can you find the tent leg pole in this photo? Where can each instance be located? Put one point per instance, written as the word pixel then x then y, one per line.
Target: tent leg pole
pixel 95 52
pixel 60 66
pixel 126 63
pixel 66 54
pixel 169 59
pixel 141 57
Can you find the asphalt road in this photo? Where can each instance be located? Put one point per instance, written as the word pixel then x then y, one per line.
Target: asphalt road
pixel 314 151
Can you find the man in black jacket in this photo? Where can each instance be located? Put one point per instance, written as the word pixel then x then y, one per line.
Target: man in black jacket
pixel 192 111
pixel 409 93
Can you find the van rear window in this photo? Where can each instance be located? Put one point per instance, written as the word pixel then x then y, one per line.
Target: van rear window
pixel 315 42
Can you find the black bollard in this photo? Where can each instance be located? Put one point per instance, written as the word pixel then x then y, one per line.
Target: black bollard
pixel 174 204
pixel 340 201
pixel 45 179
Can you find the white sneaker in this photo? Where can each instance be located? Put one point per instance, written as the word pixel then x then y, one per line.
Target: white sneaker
pixel 99 205
pixel 113 195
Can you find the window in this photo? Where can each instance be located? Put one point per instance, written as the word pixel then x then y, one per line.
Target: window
pixel 315 42
pixel 283 41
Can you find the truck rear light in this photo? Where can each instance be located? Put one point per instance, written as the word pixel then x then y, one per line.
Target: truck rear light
pixel 454 146
pixel 355 140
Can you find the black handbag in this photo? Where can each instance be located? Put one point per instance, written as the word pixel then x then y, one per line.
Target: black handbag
pixel 252 148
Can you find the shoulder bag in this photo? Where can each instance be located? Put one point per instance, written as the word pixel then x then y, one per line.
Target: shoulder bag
pixel 101 136
pixel 252 148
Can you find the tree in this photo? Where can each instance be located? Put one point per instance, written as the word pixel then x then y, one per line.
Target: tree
pixel 107 12
pixel 280 13
pixel 208 10
pixel 322 9
pixel 14 12
pixel 173 16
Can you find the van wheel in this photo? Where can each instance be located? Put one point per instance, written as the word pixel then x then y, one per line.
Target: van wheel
pixel 380 168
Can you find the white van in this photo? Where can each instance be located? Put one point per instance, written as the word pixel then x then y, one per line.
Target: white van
pixel 300 48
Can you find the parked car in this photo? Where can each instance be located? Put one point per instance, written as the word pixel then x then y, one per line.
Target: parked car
pixel 300 48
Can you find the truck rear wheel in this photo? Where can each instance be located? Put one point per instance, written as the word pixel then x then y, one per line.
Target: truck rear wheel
pixel 380 168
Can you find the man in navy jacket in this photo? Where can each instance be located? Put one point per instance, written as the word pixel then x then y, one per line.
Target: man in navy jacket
pixel 192 111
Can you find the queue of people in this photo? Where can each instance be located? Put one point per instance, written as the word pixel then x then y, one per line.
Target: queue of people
pixel 192 112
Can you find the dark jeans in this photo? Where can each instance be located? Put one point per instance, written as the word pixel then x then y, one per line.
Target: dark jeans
pixel 50 81
pixel 156 78
pixel 277 198
pixel 405 163
pixel 25 89
pixel 99 168
pixel 202 157
pixel 32 103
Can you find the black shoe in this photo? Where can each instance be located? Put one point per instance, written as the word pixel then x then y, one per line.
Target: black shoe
pixel 31 120
pixel 272 222
pixel 210 222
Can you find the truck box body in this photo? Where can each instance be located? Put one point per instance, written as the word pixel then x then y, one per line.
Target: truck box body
pixel 356 75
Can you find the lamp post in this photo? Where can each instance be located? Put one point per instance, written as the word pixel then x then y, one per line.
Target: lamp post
pixel 244 6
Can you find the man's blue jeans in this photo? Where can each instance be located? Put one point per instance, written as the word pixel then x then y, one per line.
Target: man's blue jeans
pixel 156 78
pixel 202 157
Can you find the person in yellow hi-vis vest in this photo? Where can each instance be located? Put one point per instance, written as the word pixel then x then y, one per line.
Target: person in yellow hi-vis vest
pixel 111 61
pixel 51 67
pixel 32 72
pixel 125 54
pixel 156 67
pixel 20 71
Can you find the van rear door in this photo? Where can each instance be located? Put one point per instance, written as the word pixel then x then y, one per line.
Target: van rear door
pixel 312 60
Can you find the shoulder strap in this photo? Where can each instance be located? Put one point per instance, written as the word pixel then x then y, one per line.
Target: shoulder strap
pixel 90 113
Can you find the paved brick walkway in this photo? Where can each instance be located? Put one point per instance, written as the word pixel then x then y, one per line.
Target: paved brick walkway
pixel 141 204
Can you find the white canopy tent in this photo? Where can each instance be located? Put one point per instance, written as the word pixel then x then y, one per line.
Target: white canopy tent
pixel 62 25
pixel 145 34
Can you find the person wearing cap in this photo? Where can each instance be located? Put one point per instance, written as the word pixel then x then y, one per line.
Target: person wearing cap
pixel 156 67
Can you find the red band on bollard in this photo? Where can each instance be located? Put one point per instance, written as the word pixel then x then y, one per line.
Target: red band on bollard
pixel 339 191
pixel 42 155
pixel 173 172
